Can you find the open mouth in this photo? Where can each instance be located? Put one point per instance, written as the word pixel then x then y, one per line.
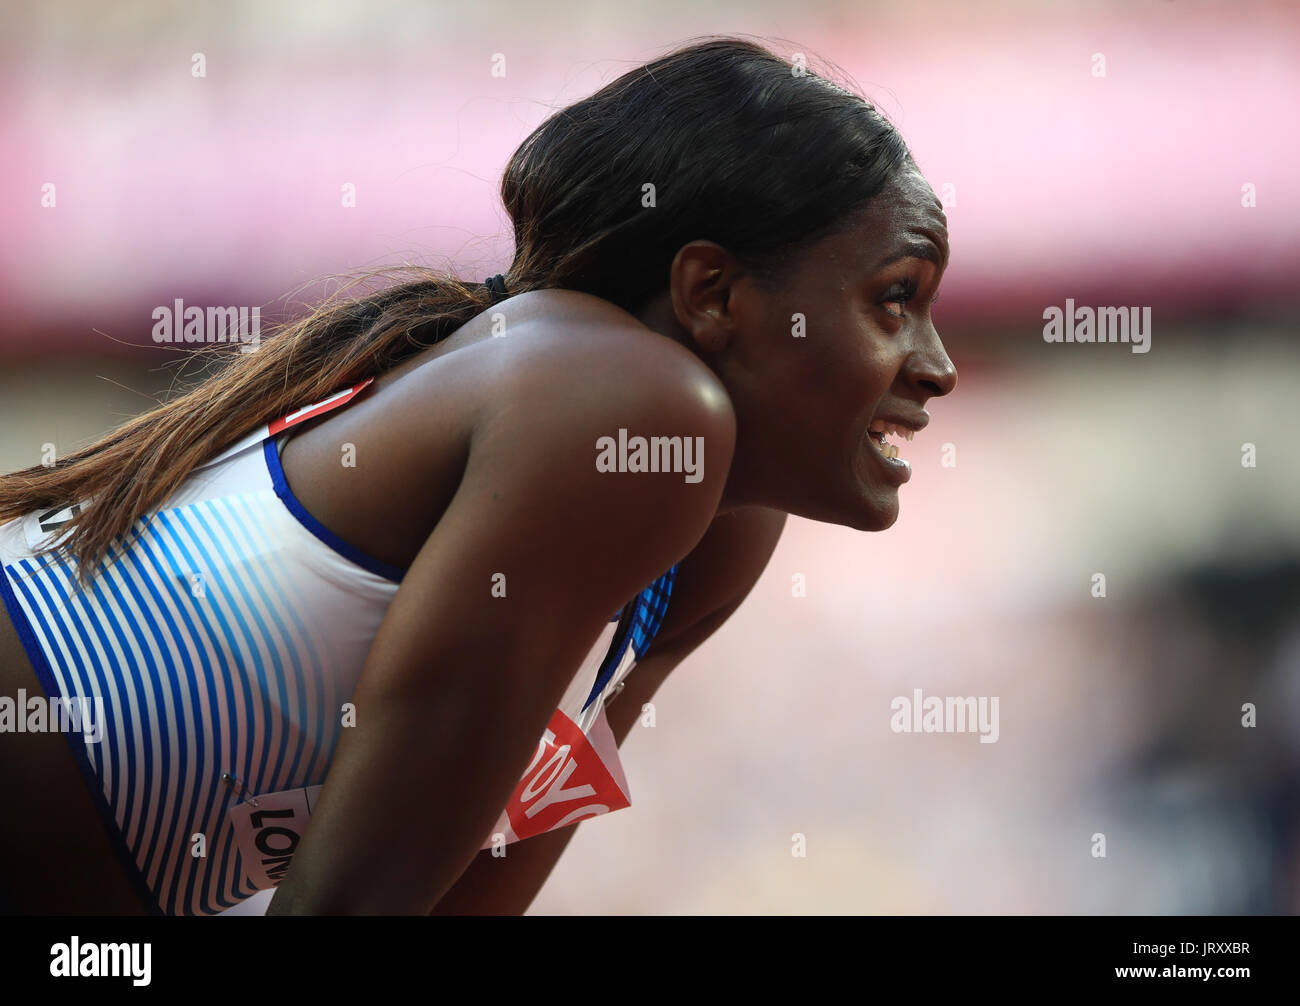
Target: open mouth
pixel 880 430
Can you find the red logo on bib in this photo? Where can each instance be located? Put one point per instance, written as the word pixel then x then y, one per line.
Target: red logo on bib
pixel 565 782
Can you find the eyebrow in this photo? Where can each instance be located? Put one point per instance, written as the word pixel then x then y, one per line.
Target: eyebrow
pixel 914 249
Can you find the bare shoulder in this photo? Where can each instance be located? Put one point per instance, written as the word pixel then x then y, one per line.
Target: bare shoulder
pixel 563 339
pixel 566 304
pixel 552 353
pixel 536 381
pixel 566 384
pixel 565 307
pixel 593 344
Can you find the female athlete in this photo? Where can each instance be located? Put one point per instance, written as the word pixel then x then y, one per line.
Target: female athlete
pixel 344 619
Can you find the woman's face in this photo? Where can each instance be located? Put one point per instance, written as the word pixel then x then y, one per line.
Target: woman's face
pixel 843 348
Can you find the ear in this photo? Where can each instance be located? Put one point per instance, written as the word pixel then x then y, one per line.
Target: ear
pixel 700 282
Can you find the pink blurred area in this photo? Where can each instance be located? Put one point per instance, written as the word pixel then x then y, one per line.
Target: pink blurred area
pixel 1059 182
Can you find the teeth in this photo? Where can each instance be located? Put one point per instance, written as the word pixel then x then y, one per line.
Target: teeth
pixel 893 429
pixel 880 429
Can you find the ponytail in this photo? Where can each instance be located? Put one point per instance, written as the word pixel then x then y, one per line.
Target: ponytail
pixel 129 472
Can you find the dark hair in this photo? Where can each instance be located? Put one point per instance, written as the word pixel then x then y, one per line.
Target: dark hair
pixel 741 147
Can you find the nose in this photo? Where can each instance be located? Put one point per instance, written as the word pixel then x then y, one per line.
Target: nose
pixel 929 368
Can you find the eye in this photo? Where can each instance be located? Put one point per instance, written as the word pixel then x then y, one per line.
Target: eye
pixel 897 296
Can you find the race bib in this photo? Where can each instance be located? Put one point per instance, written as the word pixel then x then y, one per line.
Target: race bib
pixel 268 829
pixel 572 776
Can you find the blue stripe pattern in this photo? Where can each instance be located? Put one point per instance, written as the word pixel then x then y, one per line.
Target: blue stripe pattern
pixel 208 661
pixel 647 614
pixel 197 677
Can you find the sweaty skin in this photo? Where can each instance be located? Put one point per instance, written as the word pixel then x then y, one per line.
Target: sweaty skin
pixel 478 457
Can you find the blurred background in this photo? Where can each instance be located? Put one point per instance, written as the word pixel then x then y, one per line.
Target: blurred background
pixel 1114 153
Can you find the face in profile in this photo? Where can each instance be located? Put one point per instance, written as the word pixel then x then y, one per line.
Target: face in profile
pixel 830 371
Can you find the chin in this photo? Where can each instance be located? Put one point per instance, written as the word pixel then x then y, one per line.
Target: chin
pixel 863 515
pixel 878 519
pixel 875 512
pixel 856 505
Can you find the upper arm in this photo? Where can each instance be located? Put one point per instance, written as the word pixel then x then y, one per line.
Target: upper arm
pixel 462 679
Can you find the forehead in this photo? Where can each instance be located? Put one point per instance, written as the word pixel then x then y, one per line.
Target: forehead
pixel 904 218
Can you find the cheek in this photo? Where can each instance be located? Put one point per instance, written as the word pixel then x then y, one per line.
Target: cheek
pixel 831 355
pixel 824 370
pixel 851 380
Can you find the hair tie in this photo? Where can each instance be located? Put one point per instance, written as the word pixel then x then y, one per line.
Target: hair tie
pixel 496 287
